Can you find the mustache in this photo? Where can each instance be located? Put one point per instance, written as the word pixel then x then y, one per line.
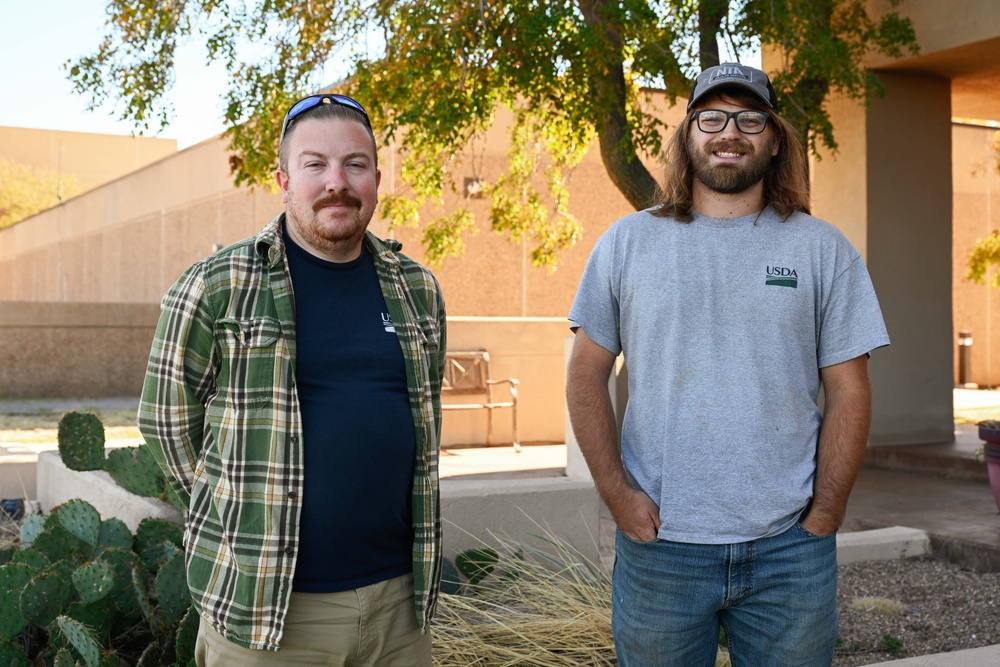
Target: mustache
pixel 336 200
pixel 731 146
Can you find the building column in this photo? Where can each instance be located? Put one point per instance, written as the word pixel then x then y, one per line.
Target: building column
pixel 889 188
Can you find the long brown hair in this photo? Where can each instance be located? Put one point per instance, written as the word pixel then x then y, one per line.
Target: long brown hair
pixel 786 183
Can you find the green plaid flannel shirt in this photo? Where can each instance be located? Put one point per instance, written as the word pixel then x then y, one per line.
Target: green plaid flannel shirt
pixel 220 413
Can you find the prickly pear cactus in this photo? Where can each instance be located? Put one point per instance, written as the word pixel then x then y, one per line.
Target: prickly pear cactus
pixel 94 581
pixel 90 599
pixel 64 658
pixel 124 594
pixel 172 594
pixel 81 441
pixel 187 636
pixel 46 596
pixel 81 639
pixel 13 579
pixel 58 544
pixel 135 470
pixel 149 539
pixel 32 558
pixel 11 656
pixel 31 527
pixel 7 554
pixel 80 519
pixel 114 533
pixel 101 617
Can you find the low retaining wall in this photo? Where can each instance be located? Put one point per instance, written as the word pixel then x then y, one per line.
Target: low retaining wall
pixel 70 350
pixel 473 510
pixel 100 350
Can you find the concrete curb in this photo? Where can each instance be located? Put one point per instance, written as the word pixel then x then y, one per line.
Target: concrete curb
pixel 984 656
pixel 882 544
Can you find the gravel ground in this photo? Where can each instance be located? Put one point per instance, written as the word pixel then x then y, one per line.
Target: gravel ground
pixel 919 606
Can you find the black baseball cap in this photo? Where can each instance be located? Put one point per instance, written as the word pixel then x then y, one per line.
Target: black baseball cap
pixel 737 76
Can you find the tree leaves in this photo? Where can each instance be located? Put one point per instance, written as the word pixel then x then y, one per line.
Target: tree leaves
pixel 434 73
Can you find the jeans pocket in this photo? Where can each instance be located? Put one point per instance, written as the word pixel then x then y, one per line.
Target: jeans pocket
pixel 805 533
pixel 640 542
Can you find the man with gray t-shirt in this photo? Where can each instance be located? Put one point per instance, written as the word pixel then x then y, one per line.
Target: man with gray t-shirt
pixel 732 306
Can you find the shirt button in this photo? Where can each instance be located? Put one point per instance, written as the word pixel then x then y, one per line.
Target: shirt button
pixel 295 439
pixel 292 495
pixel 288 551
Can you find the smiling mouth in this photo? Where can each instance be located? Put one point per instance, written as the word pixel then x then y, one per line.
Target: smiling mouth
pixel 724 154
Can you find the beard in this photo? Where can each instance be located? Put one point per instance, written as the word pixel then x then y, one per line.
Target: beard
pixel 329 235
pixel 730 179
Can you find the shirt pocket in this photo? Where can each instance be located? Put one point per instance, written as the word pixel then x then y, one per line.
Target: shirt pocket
pixel 249 360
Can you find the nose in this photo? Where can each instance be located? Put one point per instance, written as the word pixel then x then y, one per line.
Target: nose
pixel 336 179
pixel 730 130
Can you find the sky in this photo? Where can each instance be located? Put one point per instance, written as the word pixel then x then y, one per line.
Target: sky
pixel 38 36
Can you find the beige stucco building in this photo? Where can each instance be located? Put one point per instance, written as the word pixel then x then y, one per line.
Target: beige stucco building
pixel 892 188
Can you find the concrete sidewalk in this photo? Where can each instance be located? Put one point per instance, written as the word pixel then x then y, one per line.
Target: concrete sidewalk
pixel 986 656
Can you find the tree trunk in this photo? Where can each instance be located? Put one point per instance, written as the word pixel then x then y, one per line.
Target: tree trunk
pixel 618 152
pixel 710 15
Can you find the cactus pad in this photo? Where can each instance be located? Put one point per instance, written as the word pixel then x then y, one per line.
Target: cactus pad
pixel 123 594
pixel 81 441
pixel 94 581
pixel 149 539
pixel 135 470
pixel 13 578
pixel 172 594
pixel 80 519
pixel 64 658
pixel 187 636
pixel 46 596
pixel 81 639
pixel 7 554
pixel 58 544
pixel 32 558
pixel 11 656
pixel 31 527
pixel 114 533
pixel 100 616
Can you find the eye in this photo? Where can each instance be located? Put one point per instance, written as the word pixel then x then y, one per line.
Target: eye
pixel 753 121
pixel 712 118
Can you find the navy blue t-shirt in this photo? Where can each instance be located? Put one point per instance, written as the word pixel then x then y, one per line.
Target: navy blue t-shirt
pixel 356 526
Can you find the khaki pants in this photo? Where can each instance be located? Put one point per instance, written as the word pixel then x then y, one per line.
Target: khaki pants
pixel 374 626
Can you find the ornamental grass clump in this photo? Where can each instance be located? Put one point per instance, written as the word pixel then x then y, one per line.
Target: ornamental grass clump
pixel 548 607
pixel 543 608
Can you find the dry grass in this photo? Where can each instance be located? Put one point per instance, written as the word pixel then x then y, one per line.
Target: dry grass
pixel 42 427
pixel 49 419
pixel 879 605
pixel 540 608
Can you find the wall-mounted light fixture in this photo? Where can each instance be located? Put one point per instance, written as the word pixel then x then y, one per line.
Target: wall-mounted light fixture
pixel 473 188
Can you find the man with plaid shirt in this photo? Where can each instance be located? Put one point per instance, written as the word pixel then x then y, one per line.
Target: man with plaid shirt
pixel 293 399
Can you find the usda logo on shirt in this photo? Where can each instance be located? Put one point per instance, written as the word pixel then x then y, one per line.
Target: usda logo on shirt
pixel 781 276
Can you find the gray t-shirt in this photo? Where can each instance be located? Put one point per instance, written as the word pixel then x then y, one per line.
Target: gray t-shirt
pixel 724 325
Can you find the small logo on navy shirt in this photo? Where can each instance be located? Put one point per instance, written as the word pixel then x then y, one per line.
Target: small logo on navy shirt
pixel 387 323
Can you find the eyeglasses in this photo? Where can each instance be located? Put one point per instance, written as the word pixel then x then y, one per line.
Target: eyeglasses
pixel 307 103
pixel 748 121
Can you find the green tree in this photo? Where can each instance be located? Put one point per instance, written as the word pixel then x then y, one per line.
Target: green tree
pixel 434 72
pixel 986 252
pixel 26 190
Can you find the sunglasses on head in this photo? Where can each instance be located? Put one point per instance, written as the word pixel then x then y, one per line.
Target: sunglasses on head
pixel 307 103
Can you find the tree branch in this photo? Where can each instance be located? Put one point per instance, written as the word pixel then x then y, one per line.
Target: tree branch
pixel 614 133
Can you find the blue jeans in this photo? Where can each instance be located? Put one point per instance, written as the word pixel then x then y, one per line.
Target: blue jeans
pixel 776 597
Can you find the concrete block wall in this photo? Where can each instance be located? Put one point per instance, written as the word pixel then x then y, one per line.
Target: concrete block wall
pixel 95 350
pixel 69 350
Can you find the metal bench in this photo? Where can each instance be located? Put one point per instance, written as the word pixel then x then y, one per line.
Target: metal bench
pixel 467 372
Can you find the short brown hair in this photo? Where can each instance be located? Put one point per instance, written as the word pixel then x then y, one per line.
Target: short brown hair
pixel 320 112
